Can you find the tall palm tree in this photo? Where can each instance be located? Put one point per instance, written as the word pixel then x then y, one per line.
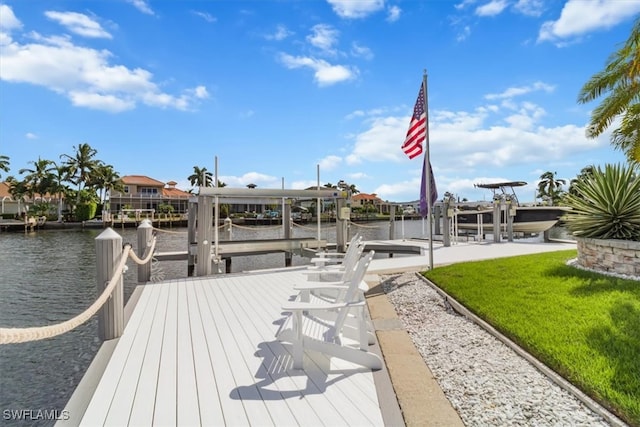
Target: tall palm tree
pixel 80 165
pixel 201 177
pixel 60 174
pixel 104 179
pixel 620 81
pixel 38 180
pixel 4 163
pixel 550 186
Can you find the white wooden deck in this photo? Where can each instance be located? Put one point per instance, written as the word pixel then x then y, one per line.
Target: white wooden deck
pixel 202 351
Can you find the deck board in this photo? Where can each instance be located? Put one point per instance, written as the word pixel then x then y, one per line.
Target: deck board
pixel 203 351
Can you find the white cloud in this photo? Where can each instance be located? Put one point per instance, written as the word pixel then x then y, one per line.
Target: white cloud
pixel 361 51
pixel 8 20
pixel 493 8
pixel 86 76
pixel 281 33
pixel 529 7
pixel 142 6
pixel 325 74
pixel 511 135
pixel 579 17
pixel 79 23
pixel 464 33
pixel 351 9
pixel 393 13
pixel 324 37
pixel 464 4
pixel 31 135
pixel 521 90
pixel 330 163
pixel 206 16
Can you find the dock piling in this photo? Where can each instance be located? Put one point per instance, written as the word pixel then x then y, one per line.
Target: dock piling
pixel 145 231
pixel 111 315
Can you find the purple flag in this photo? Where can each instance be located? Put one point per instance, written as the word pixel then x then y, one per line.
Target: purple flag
pixel 424 211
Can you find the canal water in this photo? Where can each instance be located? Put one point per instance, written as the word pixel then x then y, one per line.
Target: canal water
pixel 48 276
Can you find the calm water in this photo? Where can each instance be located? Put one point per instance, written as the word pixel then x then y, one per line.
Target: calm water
pixel 49 276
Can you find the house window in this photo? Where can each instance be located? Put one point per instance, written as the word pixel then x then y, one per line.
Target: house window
pixel 149 190
pixel 126 189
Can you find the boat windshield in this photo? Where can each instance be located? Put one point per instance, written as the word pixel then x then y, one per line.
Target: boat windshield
pixel 505 188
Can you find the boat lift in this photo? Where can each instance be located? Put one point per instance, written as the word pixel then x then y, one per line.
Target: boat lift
pixel 202 216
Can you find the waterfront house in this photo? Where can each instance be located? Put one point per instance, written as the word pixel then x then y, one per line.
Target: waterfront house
pixel 372 201
pixel 144 193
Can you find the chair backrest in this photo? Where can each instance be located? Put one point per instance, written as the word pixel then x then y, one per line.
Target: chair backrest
pixel 358 276
pixel 351 295
pixel 353 254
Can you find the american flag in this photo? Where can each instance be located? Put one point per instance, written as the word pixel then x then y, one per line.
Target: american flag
pixel 412 146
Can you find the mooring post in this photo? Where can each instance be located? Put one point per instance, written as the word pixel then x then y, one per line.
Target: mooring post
pixel 204 236
pixel 497 209
pixel 111 315
pixel 145 233
pixel 228 226
pixel 446 222
pixel 510 212
pixel 192 213
pixel 392 222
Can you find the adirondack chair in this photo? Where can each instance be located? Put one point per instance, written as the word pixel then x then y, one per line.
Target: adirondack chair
pixel 307 327
pixel 332 269
pixel 332 259
pixel 334 273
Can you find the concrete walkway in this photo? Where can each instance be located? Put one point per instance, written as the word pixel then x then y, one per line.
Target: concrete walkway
pixel 421 400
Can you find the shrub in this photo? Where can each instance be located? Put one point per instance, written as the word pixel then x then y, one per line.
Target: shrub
pixel 86 211
pixel 606 204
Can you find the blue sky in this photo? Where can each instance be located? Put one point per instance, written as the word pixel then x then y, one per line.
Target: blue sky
pixel 275 88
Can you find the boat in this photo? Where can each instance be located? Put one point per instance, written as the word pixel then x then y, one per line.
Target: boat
pixel 528 220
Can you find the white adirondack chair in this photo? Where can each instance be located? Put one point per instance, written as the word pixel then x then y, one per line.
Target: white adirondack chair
pixel 324 260
pixel 307 327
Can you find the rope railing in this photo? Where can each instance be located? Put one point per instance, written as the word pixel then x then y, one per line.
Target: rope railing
pixel 262 227
pixel 36 333
pixel 354 224
pixel 168 231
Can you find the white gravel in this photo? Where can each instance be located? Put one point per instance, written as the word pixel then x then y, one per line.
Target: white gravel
pixel 486 382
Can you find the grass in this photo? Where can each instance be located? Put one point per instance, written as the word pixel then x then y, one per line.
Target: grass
pixel 585 326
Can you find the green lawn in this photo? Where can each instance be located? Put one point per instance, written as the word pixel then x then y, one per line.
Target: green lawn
pixel 585 326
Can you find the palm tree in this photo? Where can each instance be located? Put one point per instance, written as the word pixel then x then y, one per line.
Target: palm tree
pixel 38 180
pixel 551 187
pixel 60 174
pixel 80 165
pixel 201 177
pixel 620 81
pixel 4 163
pixel 585 173
pixel 104 178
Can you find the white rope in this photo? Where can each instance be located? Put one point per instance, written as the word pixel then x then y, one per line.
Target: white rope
pixel 261 227
pixel 148 253
pixel 362 226
pixel 169 231
pixel 19 335
pixel 306 227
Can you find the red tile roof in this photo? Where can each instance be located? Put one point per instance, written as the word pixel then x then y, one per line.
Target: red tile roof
pixel 141 180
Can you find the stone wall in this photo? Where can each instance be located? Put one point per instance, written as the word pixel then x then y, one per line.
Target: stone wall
pixel 615 256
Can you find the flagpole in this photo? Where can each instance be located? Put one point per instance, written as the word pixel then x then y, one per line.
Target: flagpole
pixel 427 171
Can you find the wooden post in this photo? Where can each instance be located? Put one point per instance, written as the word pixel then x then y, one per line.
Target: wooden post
pixel 509 208
pixel 145 232
pixel 392 222
pixel 286 224
pixel 191 236
pixel 497 209
pixel 111 315
pixel 204 236
pixel 446 223
pixel 341 223
pixel 228 225
pixel 437 214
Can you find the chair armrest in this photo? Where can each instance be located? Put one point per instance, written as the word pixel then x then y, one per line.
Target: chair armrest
pixel 306 306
